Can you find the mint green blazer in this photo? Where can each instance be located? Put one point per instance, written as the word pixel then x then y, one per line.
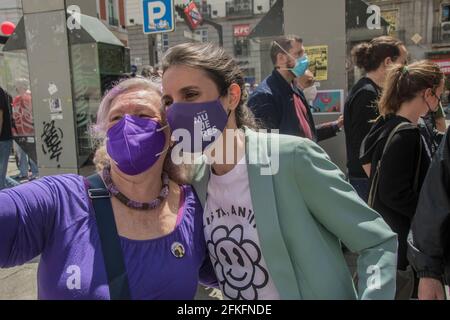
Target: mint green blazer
pixel 303 212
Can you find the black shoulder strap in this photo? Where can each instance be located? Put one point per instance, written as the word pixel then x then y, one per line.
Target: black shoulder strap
pixel 111 248
pixel 375 178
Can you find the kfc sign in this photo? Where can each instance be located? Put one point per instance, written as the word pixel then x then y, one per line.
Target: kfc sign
pixel 241 30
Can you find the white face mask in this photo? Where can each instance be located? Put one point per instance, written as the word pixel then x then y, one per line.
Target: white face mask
pixel 310 93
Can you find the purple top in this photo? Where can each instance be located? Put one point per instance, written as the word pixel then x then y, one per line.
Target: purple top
pixel 53 217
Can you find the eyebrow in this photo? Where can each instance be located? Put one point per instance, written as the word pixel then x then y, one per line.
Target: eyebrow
pixel 138 107
pixel 189 88
pixel 182 90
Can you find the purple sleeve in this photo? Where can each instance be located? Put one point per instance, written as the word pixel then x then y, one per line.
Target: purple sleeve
pixel 27 216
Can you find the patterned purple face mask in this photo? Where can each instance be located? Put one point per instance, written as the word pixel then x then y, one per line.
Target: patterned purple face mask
pixel 135 144
pixel 203 123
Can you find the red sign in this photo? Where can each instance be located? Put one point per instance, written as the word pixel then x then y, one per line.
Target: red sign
pixel 241 30
pixel 444 64
pixel 193 16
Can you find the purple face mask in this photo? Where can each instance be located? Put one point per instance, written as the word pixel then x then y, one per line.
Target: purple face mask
pixel 135 144
pixel 202 122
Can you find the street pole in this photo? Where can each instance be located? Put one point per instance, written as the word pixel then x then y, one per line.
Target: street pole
pixel 216 26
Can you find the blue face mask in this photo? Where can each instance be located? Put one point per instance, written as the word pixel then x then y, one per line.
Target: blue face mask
pixel 301 64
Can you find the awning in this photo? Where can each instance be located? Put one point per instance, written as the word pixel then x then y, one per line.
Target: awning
pixel 272 24
pixel 357 14
pixel 356 22
pixel 92 31
pixel 17 40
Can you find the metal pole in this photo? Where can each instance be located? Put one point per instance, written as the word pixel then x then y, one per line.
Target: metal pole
pixel 216 26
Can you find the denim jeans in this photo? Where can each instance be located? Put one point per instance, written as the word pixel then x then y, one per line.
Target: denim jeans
pixel 24 161
pixel 361 186
pixel 5 152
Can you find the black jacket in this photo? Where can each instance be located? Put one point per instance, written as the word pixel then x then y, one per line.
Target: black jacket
pixel 273 105
pixel 429 241
pixel 5 108
pixel 396 198
pixel 360 109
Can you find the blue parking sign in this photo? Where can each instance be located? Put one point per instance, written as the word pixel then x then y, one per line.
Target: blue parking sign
pixel 158 16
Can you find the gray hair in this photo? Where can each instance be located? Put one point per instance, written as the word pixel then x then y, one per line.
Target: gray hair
pixel 153 85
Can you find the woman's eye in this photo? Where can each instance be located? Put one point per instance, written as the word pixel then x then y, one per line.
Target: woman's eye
pixel 191 95
pixel 144 116
pixel 116 118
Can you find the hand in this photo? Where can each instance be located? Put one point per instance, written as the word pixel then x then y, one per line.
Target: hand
pixel 431 289
pixel 340 122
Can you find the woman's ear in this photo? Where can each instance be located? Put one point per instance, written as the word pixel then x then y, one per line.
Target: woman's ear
pixel 234 96
pixel 388 61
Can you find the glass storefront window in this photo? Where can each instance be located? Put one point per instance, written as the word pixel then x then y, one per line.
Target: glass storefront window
pixel 16 82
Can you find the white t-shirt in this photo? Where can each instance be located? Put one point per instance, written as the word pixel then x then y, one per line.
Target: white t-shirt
pixel 232 239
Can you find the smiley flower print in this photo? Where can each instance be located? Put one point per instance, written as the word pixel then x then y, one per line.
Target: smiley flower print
pixel 237 263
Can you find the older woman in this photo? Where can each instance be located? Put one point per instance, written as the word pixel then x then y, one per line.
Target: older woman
pixel 145 242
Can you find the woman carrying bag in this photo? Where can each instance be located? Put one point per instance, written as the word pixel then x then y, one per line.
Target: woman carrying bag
pixel 394 153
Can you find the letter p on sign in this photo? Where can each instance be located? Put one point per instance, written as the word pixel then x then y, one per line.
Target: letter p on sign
pixel 157 10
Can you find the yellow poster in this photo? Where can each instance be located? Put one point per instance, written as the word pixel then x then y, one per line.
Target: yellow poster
pixel 318 61
pixel 391 19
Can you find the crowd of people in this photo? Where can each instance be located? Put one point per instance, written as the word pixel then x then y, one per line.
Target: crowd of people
pixel 258 215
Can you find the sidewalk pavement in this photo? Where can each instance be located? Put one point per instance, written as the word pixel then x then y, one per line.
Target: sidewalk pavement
pixel 20 282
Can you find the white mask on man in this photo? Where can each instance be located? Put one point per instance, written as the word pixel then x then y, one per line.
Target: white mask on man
pixel 310 93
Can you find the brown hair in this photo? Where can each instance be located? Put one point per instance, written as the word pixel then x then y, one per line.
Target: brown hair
pixel 220 67
pixel 284 42
pixel 370 55
pixel 404 83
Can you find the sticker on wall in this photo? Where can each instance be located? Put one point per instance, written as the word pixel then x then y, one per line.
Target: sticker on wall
pixel 55 105
pixel 318 61
pixel 55 109
pixel 52 88
pixel 56 116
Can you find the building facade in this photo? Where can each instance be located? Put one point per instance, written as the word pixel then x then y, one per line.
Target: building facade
pixel 113 14
pixel 422 25
pixel 237 18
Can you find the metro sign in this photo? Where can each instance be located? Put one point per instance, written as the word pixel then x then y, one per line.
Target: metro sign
pixel 193 16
